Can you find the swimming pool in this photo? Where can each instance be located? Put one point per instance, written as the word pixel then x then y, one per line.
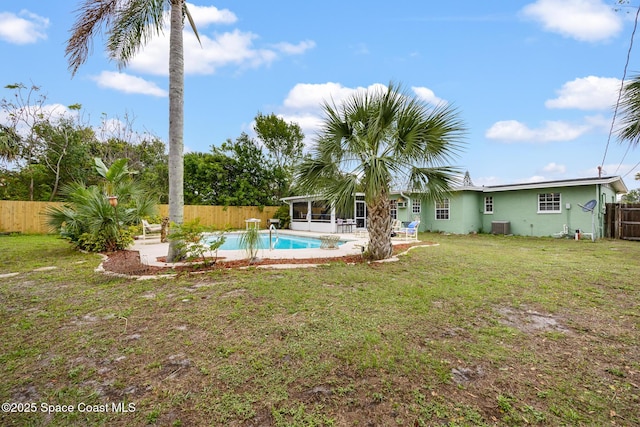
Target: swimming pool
pixel 283 241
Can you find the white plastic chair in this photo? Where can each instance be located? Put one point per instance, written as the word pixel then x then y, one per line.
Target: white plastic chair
pixel 150 229
pixel 410 232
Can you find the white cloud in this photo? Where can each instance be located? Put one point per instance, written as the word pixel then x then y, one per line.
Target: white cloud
pixel 555 168
pixel 24 118
pixel 427 95
pixel 304 102
pixel 295 49
pixel 121 129
pixel 613 169
pixel 488 180
pixel 23 29
pixel 111 128
pixel 587 93
pixel 583 20
pixel 308 96
pixel 205 15
pixel 598 121
pixel 127 83
pixel 515 131
pixel 360 49
pixel 214 51
pixel 535 178
pixel 309 123
pixel 510 130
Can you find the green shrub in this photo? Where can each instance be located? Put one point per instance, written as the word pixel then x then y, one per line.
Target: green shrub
pixel 189 244
pixel 103 243
pixel 283 215
pixel 89 220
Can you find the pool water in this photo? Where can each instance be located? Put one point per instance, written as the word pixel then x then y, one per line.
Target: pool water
pixel 284 241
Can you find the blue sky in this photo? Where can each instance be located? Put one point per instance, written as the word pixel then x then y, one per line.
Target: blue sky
pixel 535 81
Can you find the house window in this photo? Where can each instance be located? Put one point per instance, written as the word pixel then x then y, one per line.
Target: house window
pixel 320 211
pixel 549 202
pixel 300 211
pixel 488 204
pixel 442 209
pixel 393 209
pixel 415 206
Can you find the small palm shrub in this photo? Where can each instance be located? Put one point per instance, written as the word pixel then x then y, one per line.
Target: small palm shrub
pixel 250 242
pixel 89 220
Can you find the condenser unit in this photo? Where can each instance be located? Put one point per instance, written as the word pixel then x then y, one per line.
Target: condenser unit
pixel 500 227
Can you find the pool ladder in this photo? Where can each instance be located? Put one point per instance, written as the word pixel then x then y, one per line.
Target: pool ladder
pixel 272 228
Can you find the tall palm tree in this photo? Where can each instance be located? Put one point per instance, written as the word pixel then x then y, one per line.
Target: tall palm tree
pixel 130 24
pixel 629 130
pixel 376 139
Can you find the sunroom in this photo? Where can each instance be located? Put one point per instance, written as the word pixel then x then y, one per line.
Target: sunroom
pixel 313 213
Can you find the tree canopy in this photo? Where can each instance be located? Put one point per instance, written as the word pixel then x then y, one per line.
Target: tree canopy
pixel 237 173
pixel 283 140
pixel 42 153
pixel 45 149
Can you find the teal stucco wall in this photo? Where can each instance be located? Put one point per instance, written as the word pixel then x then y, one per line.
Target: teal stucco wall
pixel 520 208
pixel 464 214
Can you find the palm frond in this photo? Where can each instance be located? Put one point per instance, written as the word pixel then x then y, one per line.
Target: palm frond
pixel 434 183
pixel 192 23
pixel 136 23
pixel 63 216
pixel 629 130
pixel 91 17
pixel 144 205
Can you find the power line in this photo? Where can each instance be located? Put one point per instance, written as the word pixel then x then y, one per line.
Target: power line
pixel 623 157
pixel 631 170
pixel 624 76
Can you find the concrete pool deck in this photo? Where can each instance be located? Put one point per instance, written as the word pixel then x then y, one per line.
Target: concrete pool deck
pixel 151 249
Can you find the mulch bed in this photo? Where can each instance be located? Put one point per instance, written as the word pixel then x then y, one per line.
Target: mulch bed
pixel 128 262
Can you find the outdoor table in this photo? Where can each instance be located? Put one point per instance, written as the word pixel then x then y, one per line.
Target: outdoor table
pixel 329 241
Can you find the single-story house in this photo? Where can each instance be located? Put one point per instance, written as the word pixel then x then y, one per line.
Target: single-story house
pixel 530 209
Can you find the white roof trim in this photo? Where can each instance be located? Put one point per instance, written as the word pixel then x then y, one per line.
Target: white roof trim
pixel 615 181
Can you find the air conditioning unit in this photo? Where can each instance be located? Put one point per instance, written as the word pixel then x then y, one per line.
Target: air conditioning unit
pixel 402 204
pixel 500 227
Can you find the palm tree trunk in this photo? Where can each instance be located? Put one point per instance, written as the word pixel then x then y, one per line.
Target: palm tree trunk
pixel 176 122
pixel 379 225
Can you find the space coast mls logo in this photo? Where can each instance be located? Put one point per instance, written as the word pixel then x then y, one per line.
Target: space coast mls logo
pixel 114 407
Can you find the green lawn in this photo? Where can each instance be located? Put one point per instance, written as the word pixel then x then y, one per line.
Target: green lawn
pixel 480 330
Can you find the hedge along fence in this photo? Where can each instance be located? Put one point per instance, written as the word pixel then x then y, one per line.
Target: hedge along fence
pixel 30 217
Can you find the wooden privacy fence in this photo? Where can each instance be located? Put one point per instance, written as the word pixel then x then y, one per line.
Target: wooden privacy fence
pixel 30 218
pixel 622 221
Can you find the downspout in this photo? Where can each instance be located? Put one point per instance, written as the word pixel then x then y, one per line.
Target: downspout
pixel 408 200
pixel 599 216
